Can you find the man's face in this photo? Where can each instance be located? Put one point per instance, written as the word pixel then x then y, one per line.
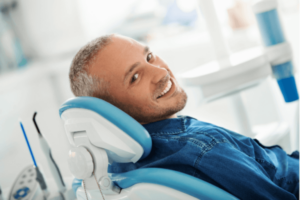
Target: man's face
pixel 140 83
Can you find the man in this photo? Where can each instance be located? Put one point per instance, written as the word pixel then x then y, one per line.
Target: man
pixel 128 75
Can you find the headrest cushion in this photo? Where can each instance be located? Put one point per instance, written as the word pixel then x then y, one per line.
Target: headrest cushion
pixel 116 116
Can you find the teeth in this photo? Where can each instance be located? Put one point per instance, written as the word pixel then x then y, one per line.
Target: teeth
pixel 168 87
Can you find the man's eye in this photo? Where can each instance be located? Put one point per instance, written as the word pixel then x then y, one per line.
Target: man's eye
pixel 149 57
pixel 135 76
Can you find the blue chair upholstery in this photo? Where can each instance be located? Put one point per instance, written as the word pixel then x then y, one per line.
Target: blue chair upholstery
pixel 179 181
pixel 116 116
pixel 172 179
pixel 176 180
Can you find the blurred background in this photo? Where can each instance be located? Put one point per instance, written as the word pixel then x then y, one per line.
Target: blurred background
pixel 38 40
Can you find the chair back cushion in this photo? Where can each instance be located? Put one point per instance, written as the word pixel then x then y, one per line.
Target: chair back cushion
pixel 114 115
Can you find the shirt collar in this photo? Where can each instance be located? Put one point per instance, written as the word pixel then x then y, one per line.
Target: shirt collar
pixel 167 127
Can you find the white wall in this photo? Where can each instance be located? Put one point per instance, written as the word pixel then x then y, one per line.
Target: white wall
pixel 54 28
pixel 49 28
pixel 98 17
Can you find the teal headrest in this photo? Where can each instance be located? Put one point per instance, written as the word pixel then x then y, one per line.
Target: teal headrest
pixel 116 116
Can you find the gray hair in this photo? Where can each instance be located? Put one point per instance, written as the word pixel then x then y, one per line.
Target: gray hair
pixel 83 84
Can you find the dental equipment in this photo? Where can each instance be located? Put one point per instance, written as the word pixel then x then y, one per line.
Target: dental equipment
pixel 228 75
pixel 1 198
pixel 278 52
pixel 100 134
pixel 7 8
pixel 26 185
pixel 277 49
pixel 51 163
pixel 39 176
pixel 232 73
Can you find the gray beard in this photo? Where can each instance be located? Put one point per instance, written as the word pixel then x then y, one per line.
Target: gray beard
pixel 155 113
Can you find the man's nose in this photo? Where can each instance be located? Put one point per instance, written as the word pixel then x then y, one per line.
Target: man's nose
pixel 157 73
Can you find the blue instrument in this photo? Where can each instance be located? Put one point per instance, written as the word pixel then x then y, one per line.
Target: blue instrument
pixel 39 175
pixel 277 48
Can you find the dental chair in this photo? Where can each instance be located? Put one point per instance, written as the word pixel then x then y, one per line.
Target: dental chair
pixel 101 134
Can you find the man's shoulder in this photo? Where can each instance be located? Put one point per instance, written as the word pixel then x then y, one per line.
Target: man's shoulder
pixel 188 129
pixel 195 131
pixel 196 126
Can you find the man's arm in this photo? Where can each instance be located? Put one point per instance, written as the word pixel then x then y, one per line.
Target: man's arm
pixel 240 174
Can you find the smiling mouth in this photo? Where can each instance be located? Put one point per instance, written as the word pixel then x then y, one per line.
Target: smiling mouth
pixel 166 90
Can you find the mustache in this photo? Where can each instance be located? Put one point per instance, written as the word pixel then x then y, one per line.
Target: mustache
pixel 161 85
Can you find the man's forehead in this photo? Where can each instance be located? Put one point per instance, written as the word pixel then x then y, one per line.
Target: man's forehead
pixel 120 40
pixel 122 37
pixel 119 54
pixel 121 49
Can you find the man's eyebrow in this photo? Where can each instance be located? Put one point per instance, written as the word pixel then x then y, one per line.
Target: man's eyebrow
pixel 135 65
pixel 146 50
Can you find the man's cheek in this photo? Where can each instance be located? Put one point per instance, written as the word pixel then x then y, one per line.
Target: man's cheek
pixel 133 97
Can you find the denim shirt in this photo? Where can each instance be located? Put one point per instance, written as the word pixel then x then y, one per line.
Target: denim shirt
pixel 235 163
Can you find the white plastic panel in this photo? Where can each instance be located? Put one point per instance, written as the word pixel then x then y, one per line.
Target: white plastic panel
pixel 102 133
pixel 248 68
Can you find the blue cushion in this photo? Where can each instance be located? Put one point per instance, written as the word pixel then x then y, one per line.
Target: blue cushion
pixel 116 116
pixel 76 184
pixel 179 181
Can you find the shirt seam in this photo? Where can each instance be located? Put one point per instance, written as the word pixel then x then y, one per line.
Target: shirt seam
pixel 226 141
pixel 181 130
pixel 207 148
pixel 215 141
pixel 196 141
pixel 287 181
pixel 259 160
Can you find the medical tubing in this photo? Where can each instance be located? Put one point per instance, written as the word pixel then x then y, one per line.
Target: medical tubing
pixel 52 164
pixel 98 185
pixel 273 37
pixel 35 124
pixel 1 197
pixel 61 181
pixel 40 179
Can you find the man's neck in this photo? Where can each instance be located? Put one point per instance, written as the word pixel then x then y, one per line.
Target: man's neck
pixel 169 117
pixel 172 116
